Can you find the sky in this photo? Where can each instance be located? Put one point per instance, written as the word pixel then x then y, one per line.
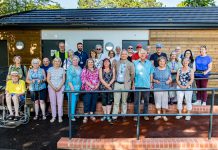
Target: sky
pixel 67 4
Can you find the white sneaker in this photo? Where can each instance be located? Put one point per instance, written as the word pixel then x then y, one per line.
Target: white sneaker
pixel 60 119
pixel 142 101
pixel 197 103
pixel 165 118
pixel 53 119
pixel 146 118
pixel 178 117
pixel 188 118
pixel 157 117
pixel 204 104
pixel 73 119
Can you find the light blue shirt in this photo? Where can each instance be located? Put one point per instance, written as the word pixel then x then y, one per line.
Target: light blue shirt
pixel 38 75
pixel 143 72
pixel 73 76
pixel 121 73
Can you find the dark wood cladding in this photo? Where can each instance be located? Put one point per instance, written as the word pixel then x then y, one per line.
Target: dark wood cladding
pixel 32 44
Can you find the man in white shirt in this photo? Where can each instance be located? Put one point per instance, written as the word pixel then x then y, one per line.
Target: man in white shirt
pixel 101 56
pixel 117 56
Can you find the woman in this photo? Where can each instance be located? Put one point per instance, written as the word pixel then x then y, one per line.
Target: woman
pixel 36 78
pixel 173 65
pixel 21 69
pixel 68 61
pixel 112 59
pixel 184 79
pixel 203 64
pixel 162 80
pixel 188 54
pixel 90 82
pixel 94 56
pixel 56 79
pixel 107 78
pixel 15 90
pixel 73 83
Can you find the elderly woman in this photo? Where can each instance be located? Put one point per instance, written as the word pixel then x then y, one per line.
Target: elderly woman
pixel 15 90
pixel 162 80
pixel 73 83
pixel 90 82
pixel 68 61
pixel 173 65
pixel 107 78
pixel 56 79
pixel 111 55
pixel 94 56
pixel 17 66
pixel 36 78
pixel 184 79
pixel 203 64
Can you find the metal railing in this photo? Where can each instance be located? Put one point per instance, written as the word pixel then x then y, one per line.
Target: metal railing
pixel 138 115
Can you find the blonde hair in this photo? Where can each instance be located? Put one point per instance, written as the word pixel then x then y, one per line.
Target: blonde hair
pixel 36 60
pixel 58 59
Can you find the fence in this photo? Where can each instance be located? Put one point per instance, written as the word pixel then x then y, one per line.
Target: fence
pixel 138 115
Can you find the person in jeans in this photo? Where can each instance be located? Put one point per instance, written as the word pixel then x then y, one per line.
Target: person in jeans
pixel 73 83
pixel 56 79
pixel 36 78
pixel 15 90
pixel 143 76
pixel 184 79
pixel 203 64
pixel 107 77
pixel 154 57
pixel 124 81
pixel 90 82
pixel 162 80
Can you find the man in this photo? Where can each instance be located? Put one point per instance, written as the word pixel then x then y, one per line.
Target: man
pixel 130 52
pixel 100 56
pixel 83 56
pixel 158 54
pixel 117 56
pixel 179 54
pixel 148 52
pixel 143 76
pixel 46 65
pixel 61 53
pixel 136 55
pixel 124 80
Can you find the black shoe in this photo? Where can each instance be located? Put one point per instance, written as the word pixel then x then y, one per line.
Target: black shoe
pixel 16 118
pixel 124 119
pixel 114 120
pixel 10 117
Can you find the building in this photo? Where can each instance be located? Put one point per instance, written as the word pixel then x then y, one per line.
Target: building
pixel 39 31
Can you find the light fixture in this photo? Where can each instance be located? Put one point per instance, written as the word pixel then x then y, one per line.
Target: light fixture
pixel 19 45
pixel 109 46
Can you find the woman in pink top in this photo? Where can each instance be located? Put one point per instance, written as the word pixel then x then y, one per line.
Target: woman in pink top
pixel 90 82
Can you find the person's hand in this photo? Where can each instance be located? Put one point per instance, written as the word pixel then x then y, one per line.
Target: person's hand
pixel 157 81
pixel 168 82
pixel 38 81
pixel 151 86
pixel 133 87
pixel 205 72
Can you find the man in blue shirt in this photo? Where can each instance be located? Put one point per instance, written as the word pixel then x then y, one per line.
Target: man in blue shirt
pixel 158 54
pixel 143 76
pixel 83 56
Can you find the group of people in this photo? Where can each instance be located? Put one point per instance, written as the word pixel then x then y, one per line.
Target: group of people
pixel 120 70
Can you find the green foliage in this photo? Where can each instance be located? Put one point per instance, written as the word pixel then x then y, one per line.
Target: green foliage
pixel 118 3
pixel 196 3
pixel 15 6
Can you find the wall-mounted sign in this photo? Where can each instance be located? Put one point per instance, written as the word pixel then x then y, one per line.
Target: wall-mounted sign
pixel 53 52
pixel 109 46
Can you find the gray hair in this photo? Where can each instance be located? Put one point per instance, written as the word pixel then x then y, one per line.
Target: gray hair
pixel 58 59
pixel 98 46
pixel 36 60
pixel 74 56
pixel 117 47
pixel 124 50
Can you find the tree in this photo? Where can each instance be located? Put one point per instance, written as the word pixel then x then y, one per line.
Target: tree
pixel 196 3
pixel 118 3
pixel 15 6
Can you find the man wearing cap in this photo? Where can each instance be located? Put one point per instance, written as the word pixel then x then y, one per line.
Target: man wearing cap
pixel 15 90
pixel 83 56
pixel 158 54
pixel 136 55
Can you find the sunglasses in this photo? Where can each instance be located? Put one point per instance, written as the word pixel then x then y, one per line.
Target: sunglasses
pixel 98 49
pixel 130 48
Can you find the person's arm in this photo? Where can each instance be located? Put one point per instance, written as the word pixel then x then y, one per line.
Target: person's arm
pixel 152 59
pixel 84 80
pixel 69 79
pixel 23 88
pixel 102 80
pixel 132 75
pixel 49 81
pixel 209 68
pixel 177 80
pixel 28 80
pixel 191 81
pixel 113 78
pixel 63 81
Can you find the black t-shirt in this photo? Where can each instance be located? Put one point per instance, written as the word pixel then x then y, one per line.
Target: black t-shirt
pixel 155 56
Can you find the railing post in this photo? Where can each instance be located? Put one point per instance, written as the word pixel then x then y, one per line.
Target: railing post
pixel 211 116
pixel 138 117
pixel 70 115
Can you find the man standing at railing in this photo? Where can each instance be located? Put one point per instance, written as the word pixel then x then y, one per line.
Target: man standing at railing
pixel 143 76
pixel 124 79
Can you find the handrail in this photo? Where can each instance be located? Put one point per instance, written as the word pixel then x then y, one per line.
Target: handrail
pixel 138 115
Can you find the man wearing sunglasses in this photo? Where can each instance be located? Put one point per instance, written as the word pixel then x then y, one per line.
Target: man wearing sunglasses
pixel 101 56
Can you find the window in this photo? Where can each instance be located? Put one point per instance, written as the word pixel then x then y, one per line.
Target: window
pixel 126 43
pixel 90 44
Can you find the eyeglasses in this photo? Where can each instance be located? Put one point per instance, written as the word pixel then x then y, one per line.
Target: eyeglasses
pixel 130 48
pixel 111 53
pixel 98 49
